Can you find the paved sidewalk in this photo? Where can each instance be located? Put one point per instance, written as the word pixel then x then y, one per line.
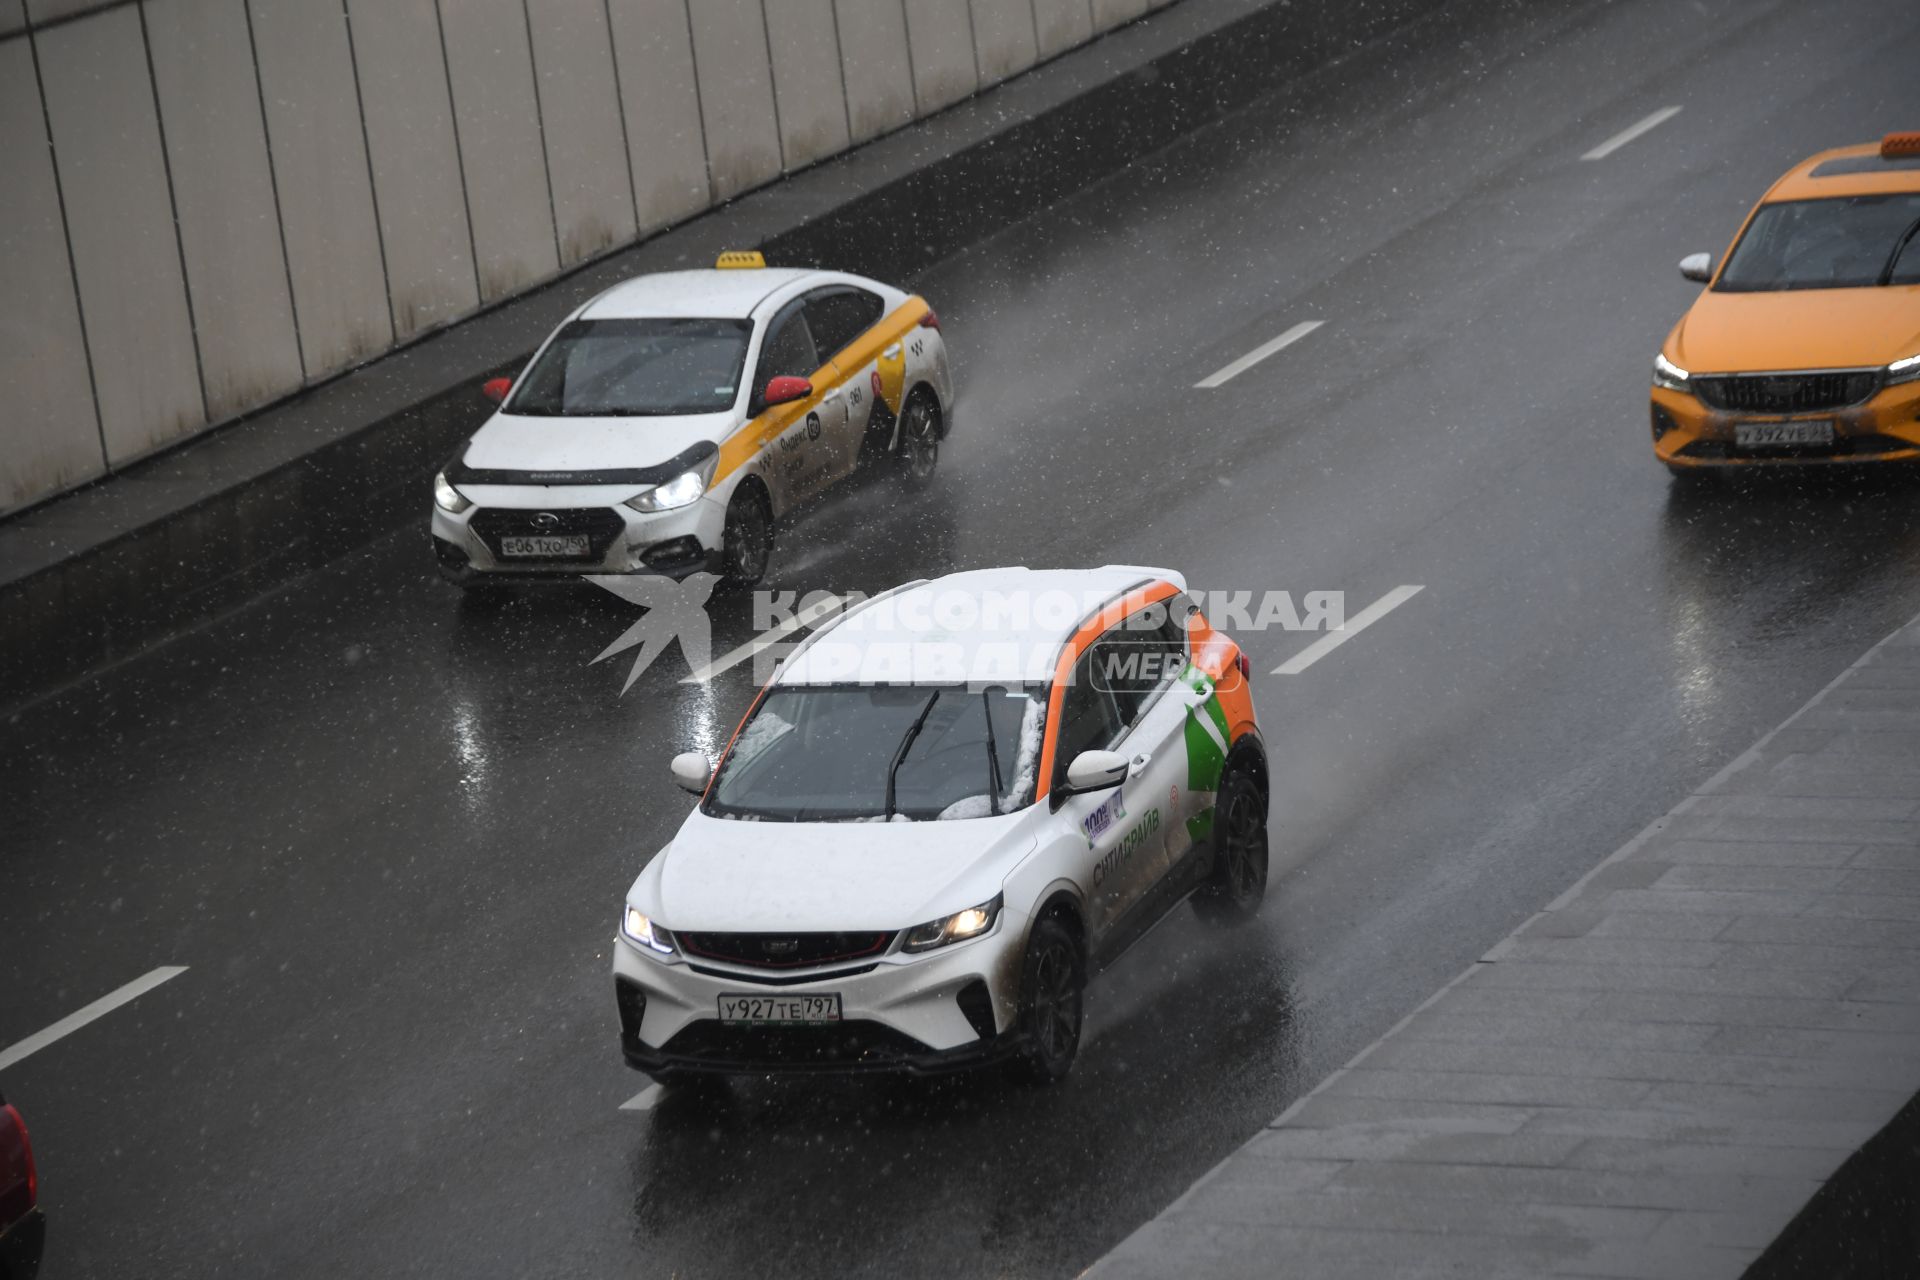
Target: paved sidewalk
pixel 1649 1078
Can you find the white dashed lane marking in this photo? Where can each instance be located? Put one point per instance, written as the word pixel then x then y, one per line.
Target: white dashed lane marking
pixel 1355 625
pixel 1627 135
pixel 99 1008
pixel 1259 353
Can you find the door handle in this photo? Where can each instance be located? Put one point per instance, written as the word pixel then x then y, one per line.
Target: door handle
pixel 1140 763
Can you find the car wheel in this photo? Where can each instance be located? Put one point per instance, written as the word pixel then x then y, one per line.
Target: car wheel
pixel 1239 880
pixel 746 542
pixel 919 448
pixel 1052 978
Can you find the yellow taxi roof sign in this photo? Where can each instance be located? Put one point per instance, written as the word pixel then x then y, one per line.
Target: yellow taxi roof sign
pixel 1898 146
pixel 739 260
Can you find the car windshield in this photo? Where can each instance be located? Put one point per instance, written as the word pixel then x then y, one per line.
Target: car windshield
pixel 635 368
pixel 1840 243
pixel 883 753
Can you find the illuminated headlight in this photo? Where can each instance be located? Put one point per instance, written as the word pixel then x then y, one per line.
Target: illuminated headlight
pixel 448 498
pixel 645 933
pixel 677 492
pixel 1903 371
pixel 1670 375
pixel 957 927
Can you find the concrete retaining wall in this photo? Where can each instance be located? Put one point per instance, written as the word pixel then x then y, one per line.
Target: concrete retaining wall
pixel 214 203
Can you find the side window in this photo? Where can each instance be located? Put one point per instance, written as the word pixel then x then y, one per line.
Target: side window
pixel 788 350
pixel 1141 656
pixel 1089 718
pixel 840 315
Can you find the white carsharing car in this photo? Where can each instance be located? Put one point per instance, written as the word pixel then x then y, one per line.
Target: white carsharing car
pixel 670 422
pixel 946 809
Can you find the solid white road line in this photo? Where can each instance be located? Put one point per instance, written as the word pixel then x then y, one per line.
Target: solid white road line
pixel 99 1008
pixel 1355 625
pixel 643 1100
pixel 805 618
pixel 1625 136
pixel 1258 354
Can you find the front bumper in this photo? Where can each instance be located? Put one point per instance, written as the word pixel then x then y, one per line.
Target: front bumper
pixel 948 1010
pixel 1689 434
pixel 620 539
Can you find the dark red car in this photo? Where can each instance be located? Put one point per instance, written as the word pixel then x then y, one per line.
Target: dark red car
pixel 22 1228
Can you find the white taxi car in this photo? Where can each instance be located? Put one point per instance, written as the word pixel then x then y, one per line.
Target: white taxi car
pixel 947 807
pixel 669 422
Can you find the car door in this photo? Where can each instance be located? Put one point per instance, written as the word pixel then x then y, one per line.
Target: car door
pixel 1141 665
pixel 1170 697
pixel 1125 853
pixel 842 318
pixel 798 447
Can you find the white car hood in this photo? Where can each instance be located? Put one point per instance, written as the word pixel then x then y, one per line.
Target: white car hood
pixel 752 877
pixel 510 442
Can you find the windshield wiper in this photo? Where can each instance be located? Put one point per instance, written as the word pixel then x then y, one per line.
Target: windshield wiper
pixel 1899 247
pixel 993 757
pixel 901 754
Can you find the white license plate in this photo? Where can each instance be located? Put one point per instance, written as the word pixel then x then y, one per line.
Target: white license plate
pixel 780 1011
pixel 1761 435
pixel 544 548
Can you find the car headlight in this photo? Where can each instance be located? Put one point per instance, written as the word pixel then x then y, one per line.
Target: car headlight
pixel 448 498
pixel 677 492
pixel 1903 371
pixel 957 927
pixel 1670 375
pixel 645 933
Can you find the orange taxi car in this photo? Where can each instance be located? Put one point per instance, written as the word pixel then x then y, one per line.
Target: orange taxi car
pixel 1805 346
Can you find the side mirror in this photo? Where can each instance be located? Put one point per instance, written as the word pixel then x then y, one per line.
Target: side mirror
pixel 691 770
pixel 1096 771
pixel 1697 267
pixel 495 389
pixel 784 389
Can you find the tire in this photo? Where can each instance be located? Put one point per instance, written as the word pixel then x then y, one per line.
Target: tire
pixel 1238 882
pixel 1052 982
pixel 918 452
pixel 746 541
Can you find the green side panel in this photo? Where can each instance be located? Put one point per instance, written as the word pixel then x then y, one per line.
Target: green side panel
pixel 1206 735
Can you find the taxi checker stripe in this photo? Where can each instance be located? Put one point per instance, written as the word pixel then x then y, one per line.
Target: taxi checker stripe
pixel 746 442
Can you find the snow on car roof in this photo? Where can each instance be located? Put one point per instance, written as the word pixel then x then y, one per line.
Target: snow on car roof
pixel 693 294
pixel 981 627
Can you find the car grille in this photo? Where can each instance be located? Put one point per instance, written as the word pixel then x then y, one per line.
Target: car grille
pixel 783 950
pixel 1787 392
pixel 850 1046
pixel 600 524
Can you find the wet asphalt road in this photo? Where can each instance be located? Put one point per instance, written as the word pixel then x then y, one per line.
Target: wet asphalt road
pixel 389 832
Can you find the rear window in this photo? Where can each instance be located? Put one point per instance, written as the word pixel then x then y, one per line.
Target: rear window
pixel 1845 242
pixel 839 316
pixel 635 369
